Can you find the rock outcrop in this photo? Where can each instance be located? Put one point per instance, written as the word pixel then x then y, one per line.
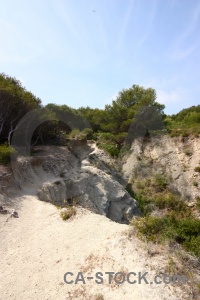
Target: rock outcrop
pixel 85 176
pixel 54 192
pixel 175 158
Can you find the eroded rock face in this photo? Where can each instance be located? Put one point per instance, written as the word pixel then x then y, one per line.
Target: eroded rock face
pixel 54 192
pixel 175 158
pixel 101 193
pixel 93 185
pixel 95 190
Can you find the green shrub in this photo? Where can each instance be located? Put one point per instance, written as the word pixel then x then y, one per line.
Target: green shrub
pixel 170 201
pixel 197 169
pixel 74 133
pixel 142 201
pixel 139 185
pixel 99 297
pixel 151 227
pixel 188 151
pixel 185 231
pixel 5 153
pixel 188 229
pixel 67 213
pixel 87 133
pixel 106 137
pixel 111 149
pixel 195 183
pixel 160 182
pixel 198 202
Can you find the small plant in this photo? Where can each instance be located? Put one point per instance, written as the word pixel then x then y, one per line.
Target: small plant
pixel 111 149
pixel 160 183
pixel 185 231
pixel 171 266
pixel 198 286
pixel 198 203
pixel 87 133
pixel 5 153
pixel 74 133
pixel 67 213
pixel 197 169
pixel 139 185
pixel 169 201
pixel 195 183
pixel 99 296
pixel 184 168
pixel 188 151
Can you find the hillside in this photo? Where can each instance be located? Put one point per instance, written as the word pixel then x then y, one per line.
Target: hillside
pixel 98 190
pixel 38 248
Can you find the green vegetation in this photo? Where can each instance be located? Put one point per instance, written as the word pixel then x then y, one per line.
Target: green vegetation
pixel 134 113
pixel 174 220
pixel 110 149
pixel 188 151
pixel 67 212
pixel 5 153
pixel 198 203
pixel 184 123
pixel 197 169
pixel 185 231
pixel 87 133
pixel 99 296
pixel 195 183
pixel 15 102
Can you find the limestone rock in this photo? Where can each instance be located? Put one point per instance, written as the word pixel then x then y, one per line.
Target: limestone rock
pixel 54 192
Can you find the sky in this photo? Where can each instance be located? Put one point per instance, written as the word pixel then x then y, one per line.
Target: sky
pixel 82 53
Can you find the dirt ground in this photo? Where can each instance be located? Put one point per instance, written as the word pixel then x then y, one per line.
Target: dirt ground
pixel 38 248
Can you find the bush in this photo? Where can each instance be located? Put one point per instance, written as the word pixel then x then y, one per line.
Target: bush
pixel 151 227
pixel 88 133
pixel 198 203
pixel 74 133
pixel 197 169
pixel 139 185
pixel 188 229
pixel 188 151
pixel 5 153
pixel 106 137
pixel 99 297
pixel 193 246
pixel 185 231
pixel 170 201
pixel 195 183
pixel 143 202
pixel 160 183
pixel 111 149
pixel 67 213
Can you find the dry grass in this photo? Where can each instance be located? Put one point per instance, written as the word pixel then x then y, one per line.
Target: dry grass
pixel 67 213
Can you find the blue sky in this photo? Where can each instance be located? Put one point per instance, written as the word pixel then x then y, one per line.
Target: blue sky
pixel 83 52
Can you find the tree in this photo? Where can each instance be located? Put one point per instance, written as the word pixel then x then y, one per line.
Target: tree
pixel 15 102
pixel 95 116
pixel 122 111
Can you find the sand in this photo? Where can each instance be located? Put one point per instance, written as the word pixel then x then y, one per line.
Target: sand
pixel 38 248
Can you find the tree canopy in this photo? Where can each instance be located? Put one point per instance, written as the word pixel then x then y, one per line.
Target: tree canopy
pixel 135 111
pixel 15 102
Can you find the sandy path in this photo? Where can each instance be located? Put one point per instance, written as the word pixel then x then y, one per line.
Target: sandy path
pixel 38 248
